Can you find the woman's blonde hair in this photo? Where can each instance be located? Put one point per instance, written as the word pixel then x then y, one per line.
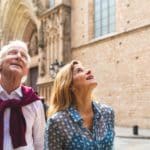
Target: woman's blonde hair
pixel 61 95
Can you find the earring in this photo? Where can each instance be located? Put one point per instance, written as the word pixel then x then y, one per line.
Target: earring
pixel 72 89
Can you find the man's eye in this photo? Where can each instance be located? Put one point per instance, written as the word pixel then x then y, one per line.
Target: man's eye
pixel 12 53
pixel 24 56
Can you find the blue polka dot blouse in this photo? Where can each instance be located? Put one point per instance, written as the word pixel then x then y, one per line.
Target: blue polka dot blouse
pixel 65 131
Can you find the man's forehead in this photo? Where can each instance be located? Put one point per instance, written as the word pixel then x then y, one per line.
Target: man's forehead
pixel 17 48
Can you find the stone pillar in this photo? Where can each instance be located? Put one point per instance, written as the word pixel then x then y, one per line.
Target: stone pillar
pixel 54 43
pixel 42 61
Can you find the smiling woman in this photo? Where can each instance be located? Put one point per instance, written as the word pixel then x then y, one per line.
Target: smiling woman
pixel 76 121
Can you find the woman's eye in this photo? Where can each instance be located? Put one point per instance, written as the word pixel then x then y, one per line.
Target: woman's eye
pixel 80 70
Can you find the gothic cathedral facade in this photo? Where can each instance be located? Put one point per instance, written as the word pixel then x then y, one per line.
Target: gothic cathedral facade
pixel 112 37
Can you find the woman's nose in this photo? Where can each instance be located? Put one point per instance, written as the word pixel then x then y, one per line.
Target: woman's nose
pixel 88 71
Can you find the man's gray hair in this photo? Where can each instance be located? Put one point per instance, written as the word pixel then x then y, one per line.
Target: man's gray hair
pixel 17 44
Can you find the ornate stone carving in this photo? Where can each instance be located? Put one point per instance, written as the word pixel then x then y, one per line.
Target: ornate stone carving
pixel 42 58
pixel 42 63
pixel 33 46
pixel 38 6
pixel 56 28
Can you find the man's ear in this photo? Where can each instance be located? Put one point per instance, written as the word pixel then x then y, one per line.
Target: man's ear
pixel 0 67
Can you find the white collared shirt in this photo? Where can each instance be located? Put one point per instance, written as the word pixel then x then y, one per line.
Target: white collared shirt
pixel 35 122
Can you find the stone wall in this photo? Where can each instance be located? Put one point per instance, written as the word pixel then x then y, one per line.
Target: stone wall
pixel 119 60
pixel 120 64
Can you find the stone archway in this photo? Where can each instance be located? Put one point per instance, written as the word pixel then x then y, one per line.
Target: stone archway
pixel 31 37
pixel 15 17
pixel 19 21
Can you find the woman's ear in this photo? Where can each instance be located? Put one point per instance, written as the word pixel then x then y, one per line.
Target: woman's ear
pixel 72 88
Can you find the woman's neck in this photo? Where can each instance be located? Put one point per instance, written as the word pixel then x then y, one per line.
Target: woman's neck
pixel 84 107
pixel 84 103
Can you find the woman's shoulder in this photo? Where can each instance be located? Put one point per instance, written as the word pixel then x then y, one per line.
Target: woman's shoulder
pixel 57 117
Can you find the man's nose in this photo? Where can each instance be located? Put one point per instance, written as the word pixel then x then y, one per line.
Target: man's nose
pixel 19 55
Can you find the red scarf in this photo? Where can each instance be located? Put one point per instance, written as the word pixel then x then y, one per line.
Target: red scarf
pixel 17 120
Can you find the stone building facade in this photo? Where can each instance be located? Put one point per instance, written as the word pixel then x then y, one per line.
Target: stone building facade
pixel 112 37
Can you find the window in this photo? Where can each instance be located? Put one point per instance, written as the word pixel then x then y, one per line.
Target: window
pixel 51 3
pixel 104 17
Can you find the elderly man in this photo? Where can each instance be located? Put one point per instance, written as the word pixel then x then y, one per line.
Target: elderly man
pixel 22 119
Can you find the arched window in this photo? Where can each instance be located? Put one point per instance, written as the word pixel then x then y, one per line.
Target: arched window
pixel 104 17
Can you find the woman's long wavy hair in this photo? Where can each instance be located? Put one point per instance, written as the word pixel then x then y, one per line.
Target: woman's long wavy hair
pixel 62 95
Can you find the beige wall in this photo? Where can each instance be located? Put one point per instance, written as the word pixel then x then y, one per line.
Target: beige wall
pixel 79 22
pixel 120 64
pixel 132 14
pixel 119 60
pixel 129 15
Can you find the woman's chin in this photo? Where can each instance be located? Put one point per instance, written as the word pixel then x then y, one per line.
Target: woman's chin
pixel 93 85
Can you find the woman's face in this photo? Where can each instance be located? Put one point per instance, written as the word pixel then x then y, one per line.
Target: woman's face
pixel 83 78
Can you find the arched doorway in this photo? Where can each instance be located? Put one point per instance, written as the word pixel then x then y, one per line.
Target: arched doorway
pixel 31 37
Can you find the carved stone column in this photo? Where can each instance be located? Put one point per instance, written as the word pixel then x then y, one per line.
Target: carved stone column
pixel 57 33
pixel 54 42
pixel 42 53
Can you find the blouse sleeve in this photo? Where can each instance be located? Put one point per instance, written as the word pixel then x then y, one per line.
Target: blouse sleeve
pixel 39 126
pixel 53 139
pixel 112 122
pixel 112 118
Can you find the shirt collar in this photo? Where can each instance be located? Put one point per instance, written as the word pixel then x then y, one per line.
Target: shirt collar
pixel 74 114
pixel 77 117
pixel 17 91
pixel 97 109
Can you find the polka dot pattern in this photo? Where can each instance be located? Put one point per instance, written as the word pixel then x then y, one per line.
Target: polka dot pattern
pixel 65 131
